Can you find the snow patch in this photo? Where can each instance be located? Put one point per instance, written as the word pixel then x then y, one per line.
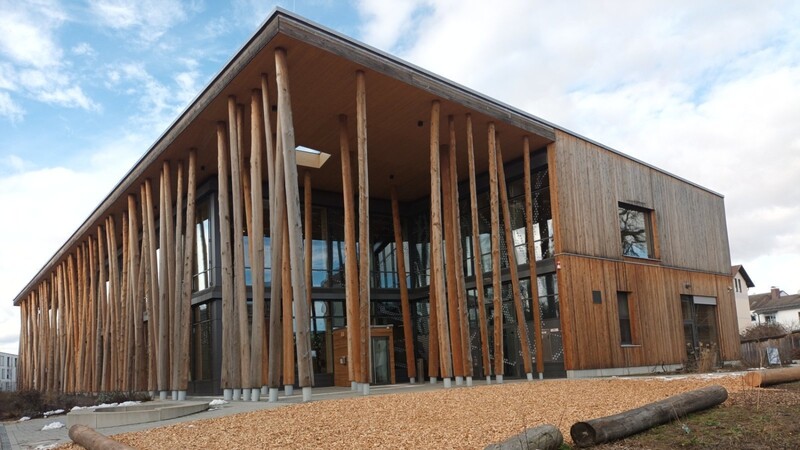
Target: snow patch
pixel 217 402
pixel 46 447
pixel 23 419
pixel 53 413
pixel 53 426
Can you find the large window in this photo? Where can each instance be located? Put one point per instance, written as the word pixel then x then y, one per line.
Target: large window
pixel 635 230
pixel 202 247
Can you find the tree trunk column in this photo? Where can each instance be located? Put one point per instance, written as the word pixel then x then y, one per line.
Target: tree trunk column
pixel 295 228
pixel 364 246
pixel 437 263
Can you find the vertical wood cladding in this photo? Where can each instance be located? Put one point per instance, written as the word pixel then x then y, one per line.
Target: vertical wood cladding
pixel 657 325
pixel 690 228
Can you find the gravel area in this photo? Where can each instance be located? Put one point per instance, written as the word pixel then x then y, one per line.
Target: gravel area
pixel 453 418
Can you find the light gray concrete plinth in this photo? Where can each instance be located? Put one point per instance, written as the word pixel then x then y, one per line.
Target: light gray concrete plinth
pixel 306 394
pixel 227 394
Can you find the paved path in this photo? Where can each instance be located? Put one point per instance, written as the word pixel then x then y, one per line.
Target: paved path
pixel 29 435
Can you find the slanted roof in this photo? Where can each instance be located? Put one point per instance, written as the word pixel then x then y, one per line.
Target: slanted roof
pixel 740 269
pixel 763 303
pixel 322 64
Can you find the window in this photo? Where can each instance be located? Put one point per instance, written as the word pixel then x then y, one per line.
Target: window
pixel 634 224
pixel 737 284
pixel 624 310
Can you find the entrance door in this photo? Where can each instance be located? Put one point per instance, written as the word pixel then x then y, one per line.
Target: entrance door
pixel 381 372
pixel 700 326
pixel 328 314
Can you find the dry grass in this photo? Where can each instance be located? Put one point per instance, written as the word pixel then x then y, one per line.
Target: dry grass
pixel 454 418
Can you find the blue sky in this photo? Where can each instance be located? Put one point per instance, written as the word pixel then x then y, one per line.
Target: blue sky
pixel 709 91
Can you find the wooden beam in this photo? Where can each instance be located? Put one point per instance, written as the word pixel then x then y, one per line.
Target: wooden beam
pixel 535 308
pixel 477 253
pixel 304 368
pixel 277 220
pixel 177 321
pixel 458 256
pixel 288 322
pixel 164 218
pixel 137 295
pixel 151 279
pixel 408 335
pixel 437 269
pixel 228 349
pixel 496 284
pixel 434 366
pixel 257 139
pixel 451 264
pixel 351 263
pixel 522 328
pixel 188 258
pixel 240 290
pixel 363 228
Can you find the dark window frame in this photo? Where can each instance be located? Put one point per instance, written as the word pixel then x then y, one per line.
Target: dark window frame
pixel 625 319
pixel 628 248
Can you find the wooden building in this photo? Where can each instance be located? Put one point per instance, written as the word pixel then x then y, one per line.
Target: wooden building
pixel 377 191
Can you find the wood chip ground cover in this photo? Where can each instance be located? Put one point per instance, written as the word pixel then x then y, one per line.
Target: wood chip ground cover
pixel 455 418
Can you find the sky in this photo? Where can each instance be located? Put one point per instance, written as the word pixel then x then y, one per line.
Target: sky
pixel 709 91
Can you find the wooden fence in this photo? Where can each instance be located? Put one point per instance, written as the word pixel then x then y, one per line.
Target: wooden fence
pixel 754 351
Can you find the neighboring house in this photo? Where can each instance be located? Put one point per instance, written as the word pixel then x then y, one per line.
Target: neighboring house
pixel 741 287
pixel 776 306
pixel 491 243
pixel 8 372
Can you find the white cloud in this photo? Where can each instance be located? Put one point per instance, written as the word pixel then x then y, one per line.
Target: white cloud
pixel 84 49
pixel 30 191
pixel 35 66
pixel 711 94
pixel 26 32
pixel 10 109
pixel 386 22
pixel 150 18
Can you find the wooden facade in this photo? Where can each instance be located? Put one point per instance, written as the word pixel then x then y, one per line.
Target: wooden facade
pixel 488 239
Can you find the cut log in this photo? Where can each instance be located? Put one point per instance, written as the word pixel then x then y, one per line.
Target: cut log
pixel 543 437
pixel 768 377
pixel 90 439
pixel 627 423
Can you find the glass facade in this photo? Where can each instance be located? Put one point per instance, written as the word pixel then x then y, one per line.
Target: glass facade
pixel 328 257
pixel 202 246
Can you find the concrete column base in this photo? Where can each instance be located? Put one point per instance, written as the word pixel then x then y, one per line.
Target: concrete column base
pixel 306 394
pixel 469 381
pixel 181 396
pixel 174 396
pixel 447 383
pixel 354 386
pixel 273 395
pixel 459 380
pixel 265 390
pixel 237 394
pixel 153 395
pixel 255 395
pixel 541 376
pixel 412 380
pixel 433 380
pixel 365 388
pixel 163 395
pixel 488 379
pixel 246 394
pixel 530 376
pixel 227 394
pixel 288 390
pixel 499 379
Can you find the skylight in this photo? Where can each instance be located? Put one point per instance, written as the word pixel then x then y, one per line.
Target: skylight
pixel 308 157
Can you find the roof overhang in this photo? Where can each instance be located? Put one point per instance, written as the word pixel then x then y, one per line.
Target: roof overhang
pixel 322 66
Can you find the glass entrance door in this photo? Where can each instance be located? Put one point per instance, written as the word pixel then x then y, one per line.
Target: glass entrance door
pixel 380 360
